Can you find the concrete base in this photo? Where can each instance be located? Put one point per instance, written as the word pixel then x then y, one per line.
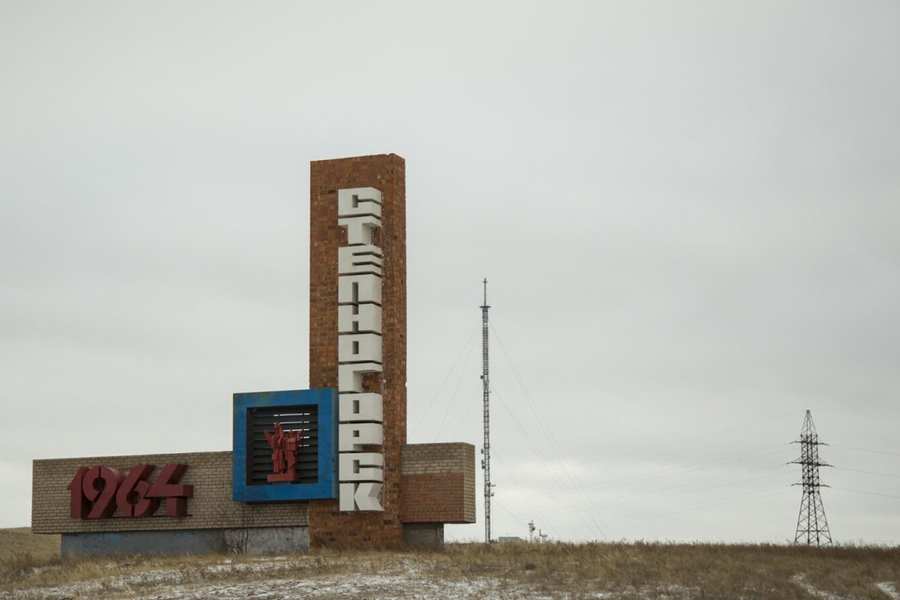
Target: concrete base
pixel 259 540
pixel 266 540
pixel 424 535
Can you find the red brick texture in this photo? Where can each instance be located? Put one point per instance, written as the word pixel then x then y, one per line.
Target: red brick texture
pixel 438 483
pixel 387 173
pixel 423 483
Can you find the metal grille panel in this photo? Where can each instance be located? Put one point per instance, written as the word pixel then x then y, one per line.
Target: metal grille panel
pixel 292 418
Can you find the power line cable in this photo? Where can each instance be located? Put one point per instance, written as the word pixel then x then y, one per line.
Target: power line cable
pixel 607 484
pixel 515 481
pixel 465 406
pixel 705 503
pixel 697 437
pixel 864 450
pixel 866 493
pixel 553 472
pixel 693 485
pixel 688 468
pixel 468 345
pixel 845 414
pixel 507 511
pixel 582 496
pixel 465 417
pixel 869 472
pixel 455 394
pixel 731 499
pixel 653 497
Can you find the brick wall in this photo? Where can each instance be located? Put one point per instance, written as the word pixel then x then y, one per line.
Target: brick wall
pixel 210 508
pixel 438 483
pixel 423 483
pixel 385 172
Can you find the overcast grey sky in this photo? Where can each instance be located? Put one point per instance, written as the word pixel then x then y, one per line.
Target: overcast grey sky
pixel 687 214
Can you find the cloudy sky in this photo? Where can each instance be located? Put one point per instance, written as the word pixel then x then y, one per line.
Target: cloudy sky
pixel 686 212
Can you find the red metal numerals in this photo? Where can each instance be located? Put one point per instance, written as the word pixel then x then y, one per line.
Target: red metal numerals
pixel 98 491
pixel 166 486
pixel 132 496
pixel 99 487
pixel 80 507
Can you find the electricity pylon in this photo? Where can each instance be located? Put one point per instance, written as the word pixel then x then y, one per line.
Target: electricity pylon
pixel 812 526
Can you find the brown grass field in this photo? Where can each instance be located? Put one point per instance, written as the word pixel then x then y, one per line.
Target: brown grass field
pixel 15 542
pixel 30 567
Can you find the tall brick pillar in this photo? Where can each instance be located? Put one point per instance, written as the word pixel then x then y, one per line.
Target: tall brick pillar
pixel 385 172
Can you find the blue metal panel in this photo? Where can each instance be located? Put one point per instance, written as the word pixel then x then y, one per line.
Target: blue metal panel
pixel 188 541
pixel 327 485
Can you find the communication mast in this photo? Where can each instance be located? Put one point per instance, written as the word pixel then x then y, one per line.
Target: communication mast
pixel 486 388
pixel 812 527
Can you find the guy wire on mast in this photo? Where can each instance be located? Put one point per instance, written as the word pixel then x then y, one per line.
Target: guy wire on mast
pixel 486 449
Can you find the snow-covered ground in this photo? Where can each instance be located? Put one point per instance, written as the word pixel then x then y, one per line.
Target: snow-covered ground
pixel 284 578
pixel 370 577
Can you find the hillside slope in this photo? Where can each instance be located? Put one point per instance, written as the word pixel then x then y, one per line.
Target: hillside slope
pixel 613 571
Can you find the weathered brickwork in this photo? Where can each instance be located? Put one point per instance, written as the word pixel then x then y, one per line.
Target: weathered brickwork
pixel 385 172
pixel 438 483
pixel 425 485
pixel 210 508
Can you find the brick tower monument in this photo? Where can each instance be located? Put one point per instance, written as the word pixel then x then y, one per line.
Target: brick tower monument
pixel 360 485
pixel 329 525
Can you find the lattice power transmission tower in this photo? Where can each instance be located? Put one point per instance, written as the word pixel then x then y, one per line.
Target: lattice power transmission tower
pixel 812 526
pixel 486 388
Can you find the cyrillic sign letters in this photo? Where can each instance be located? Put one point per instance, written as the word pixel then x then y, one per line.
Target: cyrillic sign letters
pixel 361 473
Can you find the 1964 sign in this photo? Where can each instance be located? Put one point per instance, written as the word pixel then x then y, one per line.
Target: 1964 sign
pixel 98 491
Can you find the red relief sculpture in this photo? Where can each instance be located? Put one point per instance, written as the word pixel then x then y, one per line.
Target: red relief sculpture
pixel 284 446
pixel 97 492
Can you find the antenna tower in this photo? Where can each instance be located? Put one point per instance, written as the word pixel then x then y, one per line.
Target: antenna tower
pixel 812 527
pixel 486 449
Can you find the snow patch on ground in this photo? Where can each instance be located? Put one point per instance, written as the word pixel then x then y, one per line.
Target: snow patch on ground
pixel 888 588
pixel 307 578
pixel 800 580
pixel 175 585
pixel 291 578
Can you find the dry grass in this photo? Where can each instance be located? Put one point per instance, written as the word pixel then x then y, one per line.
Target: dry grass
pixel 686 570
pixel 599 570
pixel 14 542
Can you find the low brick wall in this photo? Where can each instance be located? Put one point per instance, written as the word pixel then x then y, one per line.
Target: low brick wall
pixel 437 486
pixel 211 507
pixel 438 483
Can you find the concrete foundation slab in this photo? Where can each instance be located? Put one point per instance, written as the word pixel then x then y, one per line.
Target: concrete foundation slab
pixel 259 540
pixel 424 535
